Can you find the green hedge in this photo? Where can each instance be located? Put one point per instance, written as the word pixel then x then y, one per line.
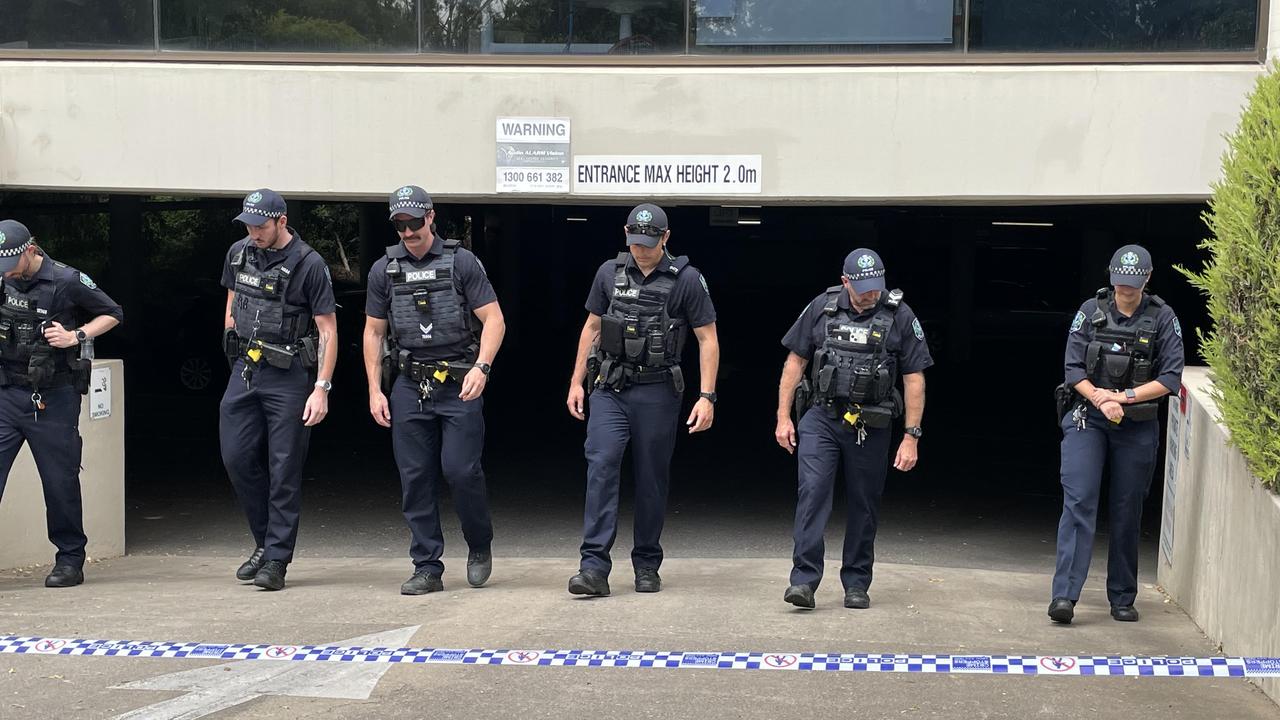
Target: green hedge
pixel 1242 282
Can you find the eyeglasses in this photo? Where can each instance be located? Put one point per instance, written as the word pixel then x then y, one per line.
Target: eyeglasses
pixel 412 225
pixel 645 229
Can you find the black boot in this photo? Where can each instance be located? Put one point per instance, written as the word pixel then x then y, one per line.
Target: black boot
pixel 64 576
pixel 271 576
pixel 250 567
pixel 1062 610
pixel 800 595
pixel 589 582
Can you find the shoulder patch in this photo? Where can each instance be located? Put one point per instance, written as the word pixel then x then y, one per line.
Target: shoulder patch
pixel 1078 321
pixel 88 282
pixel 915 327
pixel 703 279
pixel 1177 327
pixel 481 266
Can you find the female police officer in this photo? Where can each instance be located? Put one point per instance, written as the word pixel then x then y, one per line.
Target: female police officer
pixel 1124 352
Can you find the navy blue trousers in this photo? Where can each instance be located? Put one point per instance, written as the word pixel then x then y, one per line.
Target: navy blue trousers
pixel 1131 447
pixel 647 417
pixel 441 438
pixel 825 445
pixel 264 446
pixel 54 437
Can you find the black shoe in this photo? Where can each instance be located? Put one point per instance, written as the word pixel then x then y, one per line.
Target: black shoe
pixel 589 582
pixel 647 580
pixel 422 583
pixel 64 576
pixel 800 596
pixel 251 566
pixel 271 575
pixel 1062 610
pixel 479 566
pixel 857 599
pixel 1124 613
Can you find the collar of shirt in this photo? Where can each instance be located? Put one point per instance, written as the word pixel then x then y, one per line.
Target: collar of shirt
pixel 270 258
pixel 845 304
pixel 1123 319
pixel 663 265
pixel 437 245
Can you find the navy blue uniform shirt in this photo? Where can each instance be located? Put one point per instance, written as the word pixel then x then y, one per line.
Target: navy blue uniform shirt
pixel 309 283
pixel 468 275
pixel 77 299
pixel 1167 360
pixel 690 299
pixel 906 350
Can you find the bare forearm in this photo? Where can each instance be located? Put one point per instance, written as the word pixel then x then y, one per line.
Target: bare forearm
pixel 372 349
pixel 792 372
pixel 708 362
pixel 229 321
pixel 585 340
pixel 913 385
pixel 491 339
pixel 99 325
pixel 326 353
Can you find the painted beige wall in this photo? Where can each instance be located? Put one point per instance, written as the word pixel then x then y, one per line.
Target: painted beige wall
pixel 1223 569
pixel 830 134
pixel 23 533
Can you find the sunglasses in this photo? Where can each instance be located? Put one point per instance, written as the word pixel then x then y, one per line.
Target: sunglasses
pixel 645 229
pixel 413 225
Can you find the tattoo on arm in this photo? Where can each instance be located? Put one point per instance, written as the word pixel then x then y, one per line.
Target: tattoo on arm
pixel 320 348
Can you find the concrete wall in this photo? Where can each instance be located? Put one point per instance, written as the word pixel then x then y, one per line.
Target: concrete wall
pixel 1222 561
pixel 826 134
pixel 23 532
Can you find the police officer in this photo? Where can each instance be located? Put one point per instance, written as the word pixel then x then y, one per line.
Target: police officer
pixel 433 328
pixel 640 308
pixel 1124 353
pixel 45 361
pixel 855 339
pixel 281 338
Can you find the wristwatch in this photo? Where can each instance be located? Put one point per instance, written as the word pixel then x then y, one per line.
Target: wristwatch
pixel 710 396
pixel 1130 395
pixel 324 385
pixel 914 431
pixel 80 336
pixel 485 368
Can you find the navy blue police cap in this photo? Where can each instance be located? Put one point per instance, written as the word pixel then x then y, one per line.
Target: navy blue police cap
pixel 260 206
pixel 865 270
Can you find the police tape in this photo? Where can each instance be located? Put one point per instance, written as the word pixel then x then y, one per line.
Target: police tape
pixel 1094 665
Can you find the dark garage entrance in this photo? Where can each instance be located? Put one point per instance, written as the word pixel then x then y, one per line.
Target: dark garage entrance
pixel 994 286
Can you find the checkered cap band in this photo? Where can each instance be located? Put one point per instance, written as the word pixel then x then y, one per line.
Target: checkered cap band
pixel 874 272
pixel 15 250
pixel 261 213
pixel 410 204
pixel 1129 270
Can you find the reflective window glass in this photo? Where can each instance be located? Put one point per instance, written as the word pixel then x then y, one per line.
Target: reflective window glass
pixel 1112 25
pixel 357 26
pixel 76 24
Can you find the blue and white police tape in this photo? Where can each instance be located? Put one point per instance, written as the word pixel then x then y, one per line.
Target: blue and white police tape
pixel 1108 665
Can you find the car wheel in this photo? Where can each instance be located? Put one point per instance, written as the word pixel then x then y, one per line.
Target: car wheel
pixel 195 374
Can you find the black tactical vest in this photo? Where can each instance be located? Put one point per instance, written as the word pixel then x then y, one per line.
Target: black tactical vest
pixel 1120 357
pixel 428 308
pixel 26 355
pixel 260 309
pixel 851 366
pixel 637 333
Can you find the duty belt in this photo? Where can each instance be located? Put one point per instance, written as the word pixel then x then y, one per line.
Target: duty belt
pixel 257 351
pixel 437 371
pixel 22 380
